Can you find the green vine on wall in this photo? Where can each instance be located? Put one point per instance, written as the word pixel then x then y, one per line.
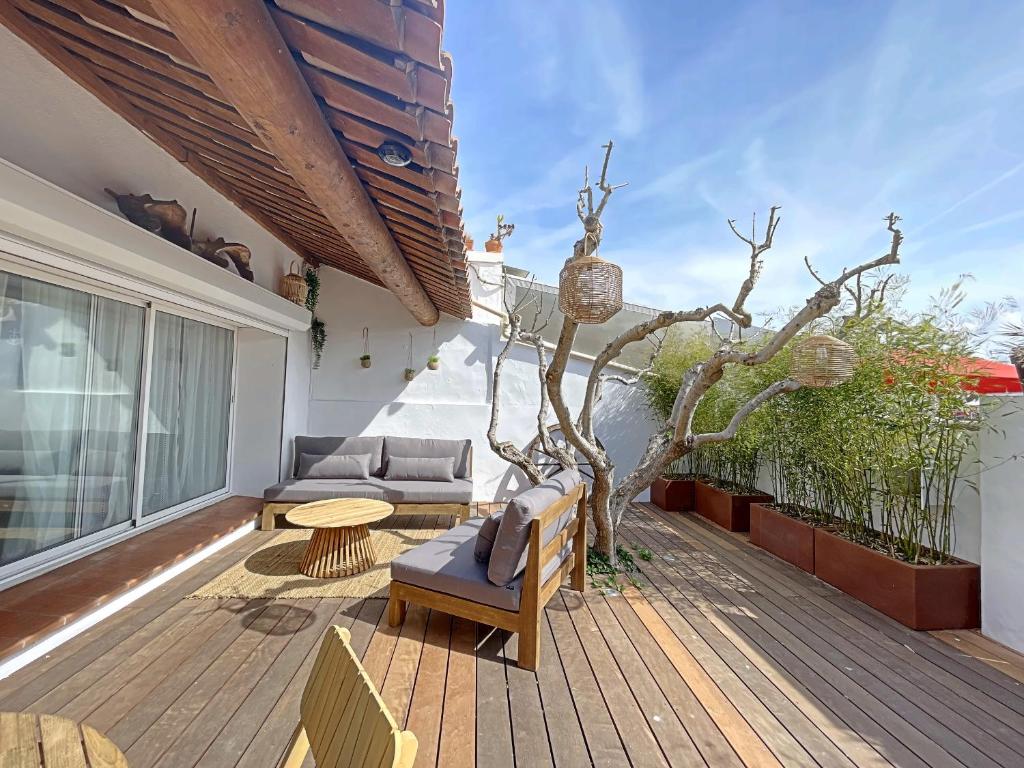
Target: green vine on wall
pixel 317 329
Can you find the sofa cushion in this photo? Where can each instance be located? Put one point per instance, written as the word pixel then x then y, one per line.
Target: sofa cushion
pixel 485 538
pixel 420 468
pixel 447 564
pixel 430 448
pixel 508 557
pixel 353 466
pixel 299 491
pixel 342 446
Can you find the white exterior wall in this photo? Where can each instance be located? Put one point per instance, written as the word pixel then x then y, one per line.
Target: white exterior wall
pixel 1002 523
pixel 57 130
pixel 258 407
pixel 453 402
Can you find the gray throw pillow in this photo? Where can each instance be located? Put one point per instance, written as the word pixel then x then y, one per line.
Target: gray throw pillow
pixel 485 538
pixel 508 557
pixel 353 466
pixel 439 470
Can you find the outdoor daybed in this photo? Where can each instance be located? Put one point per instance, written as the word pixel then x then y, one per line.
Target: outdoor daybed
pixel 501 570
pixel 416 475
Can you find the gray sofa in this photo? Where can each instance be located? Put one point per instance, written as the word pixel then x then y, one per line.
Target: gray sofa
pixel 310 481
pixel 501 570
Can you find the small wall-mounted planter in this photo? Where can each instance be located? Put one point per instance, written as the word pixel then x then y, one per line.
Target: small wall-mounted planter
pixel 673 494
pixel 926 597
pixel 365 362
pixel 729 510
pixel 785 537
pixel 410 374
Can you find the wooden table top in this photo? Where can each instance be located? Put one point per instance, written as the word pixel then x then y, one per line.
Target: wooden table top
pixel 27 738
pixel 338 513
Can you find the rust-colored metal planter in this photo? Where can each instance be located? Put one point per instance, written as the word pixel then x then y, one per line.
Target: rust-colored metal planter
pixel 785 537
pixel 673 495
pixel 729 510
pixel 917 596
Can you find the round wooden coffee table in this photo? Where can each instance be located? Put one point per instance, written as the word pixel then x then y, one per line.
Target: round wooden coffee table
pixel 340 545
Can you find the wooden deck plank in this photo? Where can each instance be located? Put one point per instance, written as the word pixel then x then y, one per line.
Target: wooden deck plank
pixel 602 737
pixel 427 705
pixel 917 701
pixel 457 741
pixel 640 742
pixel 529 731
pixel 493 716
pixel 565 732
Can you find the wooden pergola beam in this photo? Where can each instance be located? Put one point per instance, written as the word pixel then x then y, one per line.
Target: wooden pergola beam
pixel 238 45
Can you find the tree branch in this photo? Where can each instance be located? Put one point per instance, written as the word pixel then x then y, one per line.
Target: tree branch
pixel 741 415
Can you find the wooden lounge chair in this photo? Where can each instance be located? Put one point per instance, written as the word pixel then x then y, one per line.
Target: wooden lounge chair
pixel 443 574
pixel 342 719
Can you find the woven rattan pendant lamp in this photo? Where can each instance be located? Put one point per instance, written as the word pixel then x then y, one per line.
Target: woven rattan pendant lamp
pixel 823 361
pixel 590 288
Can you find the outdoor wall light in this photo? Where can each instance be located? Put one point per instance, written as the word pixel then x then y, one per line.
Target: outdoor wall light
pixel 393 153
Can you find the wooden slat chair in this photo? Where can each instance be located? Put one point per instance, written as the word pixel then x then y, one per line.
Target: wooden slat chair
pixel 536 591
pixel 342 719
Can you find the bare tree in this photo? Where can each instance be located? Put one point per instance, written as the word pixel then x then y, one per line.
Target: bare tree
pixel 676 438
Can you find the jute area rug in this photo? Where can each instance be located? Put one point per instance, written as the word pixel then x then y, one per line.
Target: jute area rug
pixel 272 571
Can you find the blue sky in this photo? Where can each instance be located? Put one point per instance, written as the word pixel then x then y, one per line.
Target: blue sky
pixel 839 112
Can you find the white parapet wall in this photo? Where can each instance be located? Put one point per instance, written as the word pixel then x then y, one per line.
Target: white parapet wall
pixel 454 401
pixel 1002 521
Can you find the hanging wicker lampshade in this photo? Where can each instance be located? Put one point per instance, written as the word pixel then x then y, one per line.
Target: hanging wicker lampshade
pixel 590 289
pixel 823 361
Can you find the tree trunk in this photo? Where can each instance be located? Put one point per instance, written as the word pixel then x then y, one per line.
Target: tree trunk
pixel 600 500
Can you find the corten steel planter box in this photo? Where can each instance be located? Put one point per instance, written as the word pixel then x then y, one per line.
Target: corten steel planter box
pixel 673 495
pixel 785 537
pixel 729 510
pixel 917 596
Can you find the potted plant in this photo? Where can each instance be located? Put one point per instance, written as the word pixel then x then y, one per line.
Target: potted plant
pixel 468 240
pixel 494 242
pixel 434 362
pixel 673 491
pixel 410 374
pixel 727 504
pixel 364 360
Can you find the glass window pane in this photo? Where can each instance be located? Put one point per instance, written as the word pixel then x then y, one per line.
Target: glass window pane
pixel 189 411
pixel 70 372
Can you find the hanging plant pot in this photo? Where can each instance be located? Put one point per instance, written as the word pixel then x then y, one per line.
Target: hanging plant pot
pixel 433 362
pixel 410 374
pixel 364 361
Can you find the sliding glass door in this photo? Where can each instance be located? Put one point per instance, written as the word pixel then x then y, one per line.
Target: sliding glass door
pixel 70 373
pixel 113 413
pixel 189 412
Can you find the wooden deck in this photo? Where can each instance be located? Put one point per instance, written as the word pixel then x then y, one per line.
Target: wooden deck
pixel 724 656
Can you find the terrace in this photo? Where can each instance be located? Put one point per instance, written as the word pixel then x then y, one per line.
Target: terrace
pixel 257 382
pixel 723 655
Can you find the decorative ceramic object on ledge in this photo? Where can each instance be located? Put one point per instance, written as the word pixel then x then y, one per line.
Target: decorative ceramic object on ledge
pixel 166 218
pixel 216 250
pixel 493 244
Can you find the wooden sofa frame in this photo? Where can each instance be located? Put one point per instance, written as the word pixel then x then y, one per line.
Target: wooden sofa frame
pixel 271 509
pixel 535 594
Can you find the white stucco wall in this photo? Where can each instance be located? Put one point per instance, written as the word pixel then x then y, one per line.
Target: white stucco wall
pixel 453 402
pixel 52 127
pixel 1002 522
pixel 259 400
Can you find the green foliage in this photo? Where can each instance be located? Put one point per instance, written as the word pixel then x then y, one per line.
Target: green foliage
pixel 881 457
pixel 313 284
pixel 644 554
pixel 318 334
pixel 604 575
